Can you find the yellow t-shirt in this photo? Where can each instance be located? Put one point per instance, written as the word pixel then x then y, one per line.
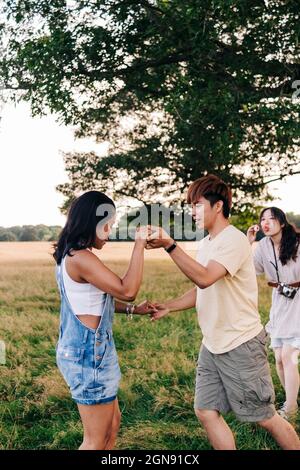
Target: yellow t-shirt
pixel 227 311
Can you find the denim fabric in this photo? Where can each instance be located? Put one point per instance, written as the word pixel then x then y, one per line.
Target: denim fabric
pixel 87 357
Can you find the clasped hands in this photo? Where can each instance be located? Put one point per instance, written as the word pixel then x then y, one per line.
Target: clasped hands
pixel 156 310
pixel 154 237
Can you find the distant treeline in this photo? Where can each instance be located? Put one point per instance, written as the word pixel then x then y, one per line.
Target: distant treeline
pixel 29 233
pixel 26 233
pixel 294 218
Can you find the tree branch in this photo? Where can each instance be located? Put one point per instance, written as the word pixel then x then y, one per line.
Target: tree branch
pixel 181 55
pixel 281 177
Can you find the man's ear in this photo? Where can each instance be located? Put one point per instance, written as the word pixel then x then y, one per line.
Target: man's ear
pixel 219 205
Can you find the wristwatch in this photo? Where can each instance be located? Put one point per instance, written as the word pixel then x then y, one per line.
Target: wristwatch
pixel 171 248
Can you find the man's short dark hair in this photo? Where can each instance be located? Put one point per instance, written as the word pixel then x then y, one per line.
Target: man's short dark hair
pixel 212 188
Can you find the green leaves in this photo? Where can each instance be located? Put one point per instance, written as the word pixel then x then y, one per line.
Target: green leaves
pixel 176 88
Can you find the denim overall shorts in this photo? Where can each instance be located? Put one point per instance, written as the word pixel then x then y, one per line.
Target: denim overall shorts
pixel 87 357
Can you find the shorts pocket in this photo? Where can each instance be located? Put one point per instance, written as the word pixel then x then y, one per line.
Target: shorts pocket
pixel 93 392
pixel 259 392
pixel 263 337
pixel 257 347
pixel 70 363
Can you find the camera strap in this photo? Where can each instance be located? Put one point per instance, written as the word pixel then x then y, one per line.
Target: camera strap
pixel 276 264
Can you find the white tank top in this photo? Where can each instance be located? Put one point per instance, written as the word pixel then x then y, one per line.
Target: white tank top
pixel 85 299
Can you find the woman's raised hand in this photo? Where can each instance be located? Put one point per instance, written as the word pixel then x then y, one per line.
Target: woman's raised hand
pixel 141 234
pixel 251 233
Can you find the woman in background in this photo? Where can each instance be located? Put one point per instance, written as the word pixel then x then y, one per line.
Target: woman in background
pixel 85 352
pixel 277 255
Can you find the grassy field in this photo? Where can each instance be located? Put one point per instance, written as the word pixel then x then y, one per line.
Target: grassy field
pixel 157 361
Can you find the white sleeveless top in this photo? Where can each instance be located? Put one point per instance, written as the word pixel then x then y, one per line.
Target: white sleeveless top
pixel 84 298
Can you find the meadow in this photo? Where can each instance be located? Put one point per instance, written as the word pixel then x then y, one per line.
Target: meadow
pixel 157 360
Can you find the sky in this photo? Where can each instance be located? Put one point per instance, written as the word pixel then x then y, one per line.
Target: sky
pixel 31 166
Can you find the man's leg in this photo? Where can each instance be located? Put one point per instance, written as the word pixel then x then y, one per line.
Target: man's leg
pixel 210 400
pixel 282 431
pixel 218 432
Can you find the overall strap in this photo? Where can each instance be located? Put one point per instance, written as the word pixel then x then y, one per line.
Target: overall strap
pixel 107 314
pixel 58 277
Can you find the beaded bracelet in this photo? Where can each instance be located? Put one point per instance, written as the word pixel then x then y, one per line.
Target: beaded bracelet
pixel 129 311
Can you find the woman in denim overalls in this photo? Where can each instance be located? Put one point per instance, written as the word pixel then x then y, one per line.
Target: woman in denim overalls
pixel 85 352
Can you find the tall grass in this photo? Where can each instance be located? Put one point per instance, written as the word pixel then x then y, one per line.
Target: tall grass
pixel 157 361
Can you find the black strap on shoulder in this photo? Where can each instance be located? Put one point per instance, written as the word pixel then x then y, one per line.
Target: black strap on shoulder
pixel 276 264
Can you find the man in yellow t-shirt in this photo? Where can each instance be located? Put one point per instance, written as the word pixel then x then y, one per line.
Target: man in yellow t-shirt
pixel 233 373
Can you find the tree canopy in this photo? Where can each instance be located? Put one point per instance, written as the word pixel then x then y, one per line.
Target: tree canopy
pixel 177 88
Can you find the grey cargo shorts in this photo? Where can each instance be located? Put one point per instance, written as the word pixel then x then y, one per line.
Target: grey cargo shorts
pixel 238 380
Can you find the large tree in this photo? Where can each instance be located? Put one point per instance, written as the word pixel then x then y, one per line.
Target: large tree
pixel 177 88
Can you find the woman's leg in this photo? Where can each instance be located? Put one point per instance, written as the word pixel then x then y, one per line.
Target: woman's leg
pixel 97 423
pixel 115 426
pixel 279 365
pixel 291 376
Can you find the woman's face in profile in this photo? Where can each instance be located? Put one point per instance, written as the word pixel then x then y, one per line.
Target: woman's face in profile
pixel 103 232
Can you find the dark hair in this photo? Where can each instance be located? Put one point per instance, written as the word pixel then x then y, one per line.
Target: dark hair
pixel 290 236
pixel 79 232
pixel 213 189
